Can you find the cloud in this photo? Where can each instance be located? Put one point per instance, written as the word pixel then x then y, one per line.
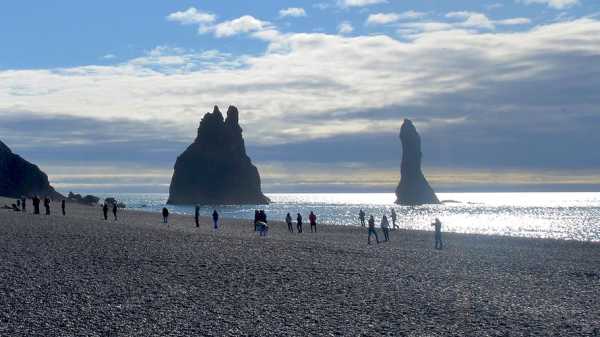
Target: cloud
pixel 244 24
pixel 359 3
pixel 386 18
pixel 293 12
pixel 345 28
pixel 109 56
pixel 556 4
pixel 192 16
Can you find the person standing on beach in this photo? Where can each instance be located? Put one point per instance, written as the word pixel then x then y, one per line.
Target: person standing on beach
pixel 63 207
pixel 385 227
pixel 24 204
pixel 438 233
pixel 372 229
pixel 288 221
pixel 197 216
pixel 105 211
pixel 394 217
pixel 47 205
pixel 361 216
pixel 312 218
pixel 165 214
pixel 115 208
pixel 36 204
pixel 215 217
pixel 299 223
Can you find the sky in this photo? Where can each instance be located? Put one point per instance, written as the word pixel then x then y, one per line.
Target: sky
pixel 104 96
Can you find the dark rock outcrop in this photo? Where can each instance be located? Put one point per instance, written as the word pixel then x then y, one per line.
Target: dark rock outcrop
pixel 215 169
pixel 18 177
pixel 413 188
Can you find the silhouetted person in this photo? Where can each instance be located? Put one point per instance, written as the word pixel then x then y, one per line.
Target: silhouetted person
pixel 312 218
pixel 165 214
pixel 438 233
pixel 115 209
pixel 361 216
pixel 299 223
pixel 385 227
pixel 215 217
pixel 256 219
pixel 63 207
pixel 197 216
pixel 24 204
pixel 263 216
pixel 394 217
pixel 36 204
pixel 47 205
pixel 288 221
pixel 19 203
pixel 105 211
pixel 372 230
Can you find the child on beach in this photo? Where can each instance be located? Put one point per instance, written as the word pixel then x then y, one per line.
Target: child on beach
pixel 215 217
pixel 288 221
pixel 165 214
pixel 385 227
pixel 438 233
pixel 372 229
pixel 312 218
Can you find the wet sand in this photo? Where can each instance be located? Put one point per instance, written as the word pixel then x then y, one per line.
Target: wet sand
pixel 82 276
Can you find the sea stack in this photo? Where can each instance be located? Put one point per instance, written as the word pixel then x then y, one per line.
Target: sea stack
pixel 413 189
pixel 215 169
pixel 19 178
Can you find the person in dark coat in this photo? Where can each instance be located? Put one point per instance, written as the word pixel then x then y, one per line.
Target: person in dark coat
pixel 361 217
pixel 115 208
pixel 256 219
pixel 299 223
pixel 47 205
pixel 197 216
pixel 438 234
pixel 24 204
pixel 105 211
pixel 372 230
pixel 312 218
pixel 63 206
pixel 288 221
pixel 36 204
pixel 165 214
pixel 215 217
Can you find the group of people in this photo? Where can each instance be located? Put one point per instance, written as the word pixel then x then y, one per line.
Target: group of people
pixel 21 205
pixel 312 219
pixel 385 228
pixel 115 209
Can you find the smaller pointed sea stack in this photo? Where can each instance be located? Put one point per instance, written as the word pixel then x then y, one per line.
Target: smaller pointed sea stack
pixel 413 188
pixel 215 169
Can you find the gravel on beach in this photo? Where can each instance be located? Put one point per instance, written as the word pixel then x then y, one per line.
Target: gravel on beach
pixel 79 275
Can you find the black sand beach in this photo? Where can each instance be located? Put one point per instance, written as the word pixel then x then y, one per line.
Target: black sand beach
pixel 83 276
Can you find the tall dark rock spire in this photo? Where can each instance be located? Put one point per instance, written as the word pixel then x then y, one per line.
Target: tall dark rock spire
pixel 18 177
pixel 413 188
pixel 215 169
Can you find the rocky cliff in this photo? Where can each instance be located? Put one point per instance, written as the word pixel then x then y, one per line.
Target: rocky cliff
pixel 215 169
pixel 19 177
pixel 413 188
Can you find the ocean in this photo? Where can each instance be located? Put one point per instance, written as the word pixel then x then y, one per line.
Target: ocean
pixel 565 216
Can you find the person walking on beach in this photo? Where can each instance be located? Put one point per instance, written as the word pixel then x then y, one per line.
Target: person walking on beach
pixel 438 233
pixel 312 218
pixel 105 211
pixel 256 219
pixel 361 216
pixel 115 208
pixel 215 217
pixel 197 216
pixel 24 204
pixel 299 223
pixel 47 205
pixel 36 204
pixel 372 229
pixel 394 217
pixel 385 227
pixel 288 221
pixel 165 214
pixel 63 207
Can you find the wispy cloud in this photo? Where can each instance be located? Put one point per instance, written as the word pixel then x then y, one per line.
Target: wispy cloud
pixel 359 3
pixel 292 12
pixel 386 18
pixel 556 4
pixel 345 28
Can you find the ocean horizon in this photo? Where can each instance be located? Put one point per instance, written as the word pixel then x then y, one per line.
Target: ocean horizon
pixel 552 215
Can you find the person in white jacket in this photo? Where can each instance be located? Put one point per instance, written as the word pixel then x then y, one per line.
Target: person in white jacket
pixel 385 227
